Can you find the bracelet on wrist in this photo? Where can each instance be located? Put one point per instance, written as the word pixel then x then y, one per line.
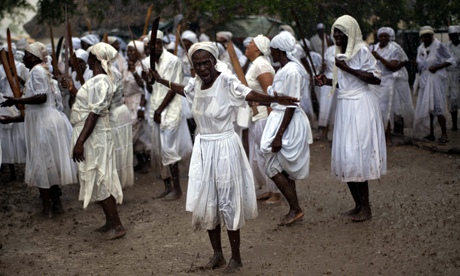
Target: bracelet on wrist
pixel 141 108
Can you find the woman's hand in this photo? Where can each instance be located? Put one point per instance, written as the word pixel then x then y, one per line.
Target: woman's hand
pixel 78 152
pixel 320 80
pixel 10 101
pixel 376 55
pixel 285 100
pixel 157 116
pixel 5 120
pixel 277 144
pixel 341 64
pixel 433 69
pixel 140 114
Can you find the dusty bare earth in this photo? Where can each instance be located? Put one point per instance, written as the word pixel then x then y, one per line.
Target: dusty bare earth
pixel 415 229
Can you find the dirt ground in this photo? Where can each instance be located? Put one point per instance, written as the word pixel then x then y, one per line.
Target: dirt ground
pixel 415 229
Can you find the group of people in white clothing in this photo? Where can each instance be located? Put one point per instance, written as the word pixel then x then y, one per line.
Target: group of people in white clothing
pixel 125 113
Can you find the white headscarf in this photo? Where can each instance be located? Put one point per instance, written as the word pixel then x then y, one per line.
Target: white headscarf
pixel 426 30
pixel 13 48
pixel 38 49
pixel 203 37
pixel 454 29
pixel 190 36
pixel 385 30
pixel 287 28
pixel 263 44
pixel 76 43
pixel 82 54
pixel 160 35
pixel 90 39
pixel 139 46
pixel 350 27
pixel 211 48
pixel 111 39
pixel 225 35
pixel 106 54
pixel 247 40
pixel 392 34
pixel 285 42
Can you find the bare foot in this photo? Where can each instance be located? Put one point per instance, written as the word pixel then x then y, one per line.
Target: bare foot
pixel 274 199
pixel 363 215
pixel 350 213
pixel 174 195
pixel 291 217
pixel 115 233
pixel 232 267
pixel 104 228
pixel 216 261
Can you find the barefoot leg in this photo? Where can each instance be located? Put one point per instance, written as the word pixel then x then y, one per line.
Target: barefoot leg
pixel 365 212
pixel 235 262
pixel 167 189
pixel 218 259
pixel 45 195
pixel 287 188
pixel 117 230
pixel 176 191
pixel 355 193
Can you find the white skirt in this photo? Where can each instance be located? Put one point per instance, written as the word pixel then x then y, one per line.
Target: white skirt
pixel 402 102
pixel 13 143
pixel 358 147
pixel 294 156
pixel 48 145
pixel 327 105
pixel 120 121
pixel 221 185
pixel 98 173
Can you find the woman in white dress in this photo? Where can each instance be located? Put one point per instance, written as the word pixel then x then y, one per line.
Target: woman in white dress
pixel 221 186
pixel 358 147
pixel 92 140
pixel 48 162
pixel 260 77
pixel 432 60
pixel 122 130
pixel 287 134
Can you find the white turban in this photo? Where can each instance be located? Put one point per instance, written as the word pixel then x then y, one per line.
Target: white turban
pixel 299 52
pixel 211 48
pixel 82 54
pixel 90 39
pixel 38 49
pixel 106 54
pixel 204 37
pixel 263 44
pixel 320 26
pixel 139 46
pixel 13 48
pixel 426 30
pixel 76 43
pixel 392 35
pixel 160 35
pixel 385 30
pixel 112 39
pixel 247 41
pixel 285 42
pixel 190 36
pixel 22 44
pixel 170 46
pixel 287 28
pixel 225 35
pixel 454 29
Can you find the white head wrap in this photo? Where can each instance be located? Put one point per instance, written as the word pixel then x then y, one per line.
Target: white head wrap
pixel 247 40
pixel 76 43
pixel 13 48
pixel 287 28
pixel 320 26
pixel 454 29
pixel 211 48
pixel 285 42
pixel 170 46
pixel 190 36
pixel 392 34
pixel 160 35
pixel 90 39
pixel 224 35
pixel 82 54
pixel 38 49
pixel 169 38
pixel 385 30
pixel 22 44
pixel 106 54
pixel 426 30
pixel 139 46
pixel 299 53
pixel 204 37
pixel 350 27
pixel 263 44
pixel 112 39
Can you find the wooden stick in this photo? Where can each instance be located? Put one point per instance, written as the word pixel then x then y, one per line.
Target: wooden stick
pixel 147 19
pixel 88 24
pixel 73 58
pixel 105 38
pixel 239 71
pixel 12 62
pixel 152 42
pixel 16 89
pixel 297 22
pixel 176 46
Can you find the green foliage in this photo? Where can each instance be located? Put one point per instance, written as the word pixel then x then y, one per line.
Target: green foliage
pixel 52 12
pixel 14 9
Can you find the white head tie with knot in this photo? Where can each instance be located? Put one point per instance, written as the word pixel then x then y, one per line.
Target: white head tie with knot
pixel 106 54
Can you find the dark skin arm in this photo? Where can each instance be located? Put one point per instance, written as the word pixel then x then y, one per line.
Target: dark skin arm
pixel 393 65
pixel 8 119
pixel 277 142
pixel 37 99
pixel 79 149
pixel 433 69
pixel 169 97
pixel 367 77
